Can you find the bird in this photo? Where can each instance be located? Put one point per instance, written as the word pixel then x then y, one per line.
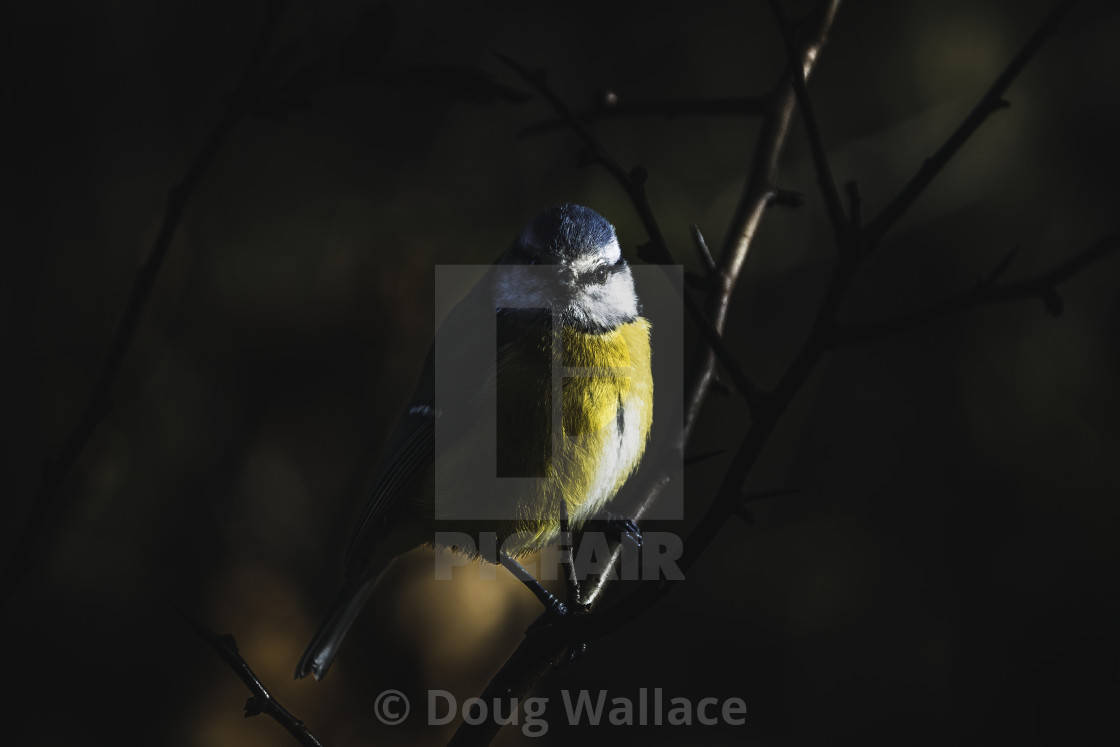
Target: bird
pixel 533 408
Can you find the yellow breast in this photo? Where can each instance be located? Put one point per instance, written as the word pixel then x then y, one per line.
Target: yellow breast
pixel 606 411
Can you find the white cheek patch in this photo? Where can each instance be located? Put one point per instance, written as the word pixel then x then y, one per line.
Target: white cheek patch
pixel 571 288
pixel 609 304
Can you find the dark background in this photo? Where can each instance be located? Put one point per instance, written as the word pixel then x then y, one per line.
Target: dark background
pixel 948 572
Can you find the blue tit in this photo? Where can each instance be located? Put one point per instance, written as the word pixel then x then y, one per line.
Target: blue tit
pixel 558 393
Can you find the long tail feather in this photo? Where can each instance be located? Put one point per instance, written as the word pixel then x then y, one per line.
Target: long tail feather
pixel 347 603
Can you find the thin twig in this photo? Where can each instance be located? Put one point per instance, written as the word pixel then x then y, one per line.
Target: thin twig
pixel 835 208
pixel 986 293
pixel 729 494
pixel 100 402
pixel 759 192
pixel 633 182
pixel 609 107
pixel 991 102
pixel 261 700
pixel 545 647
pixel 728 498
pixel 702 249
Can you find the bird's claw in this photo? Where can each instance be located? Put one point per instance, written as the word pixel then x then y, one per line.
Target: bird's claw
pixel 623 528
pixel 553 612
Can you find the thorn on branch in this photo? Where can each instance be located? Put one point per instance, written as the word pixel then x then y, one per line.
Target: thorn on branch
pixel 990 279
pixel 261 700
pixel 608 104
pixel 991 101
pixel 786 198
pixel 720 386
pixel 701 245
pixel 1044 286
pixel 253 706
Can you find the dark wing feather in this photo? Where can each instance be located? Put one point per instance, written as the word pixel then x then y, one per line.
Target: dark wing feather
pixel 469 345
pixel 462 344
pixel 407 456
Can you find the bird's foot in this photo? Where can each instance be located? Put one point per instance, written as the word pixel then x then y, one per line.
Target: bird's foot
pixel 617 527
pixel 554 610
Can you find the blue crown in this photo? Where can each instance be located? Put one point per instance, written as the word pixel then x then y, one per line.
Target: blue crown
pixel 569 230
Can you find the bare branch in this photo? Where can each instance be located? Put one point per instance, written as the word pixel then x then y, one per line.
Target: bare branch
pixel 544 647
pixel 261 700
pixel 759 192
pixel 728 498
pixel 986 293
pixel 991 102
pixel 702 248
pixel 633 182
pixel 608 106
pixel 100 402
pixel 840 224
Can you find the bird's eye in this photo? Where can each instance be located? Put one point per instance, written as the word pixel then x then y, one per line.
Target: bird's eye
pixel 601 274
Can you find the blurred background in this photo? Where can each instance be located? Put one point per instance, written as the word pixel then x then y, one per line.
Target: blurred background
pixel 947 572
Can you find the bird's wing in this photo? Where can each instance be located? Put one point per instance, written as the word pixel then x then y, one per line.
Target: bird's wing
pixel 407 456
pixel 463 346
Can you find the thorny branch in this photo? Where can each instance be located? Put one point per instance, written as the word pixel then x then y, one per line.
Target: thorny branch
pixel 542 649
pixel 991 102
pixel 539 653
pixel 261 700
pixel 633 181
pixel 985 293
pixel 760 192
pixel 841 225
